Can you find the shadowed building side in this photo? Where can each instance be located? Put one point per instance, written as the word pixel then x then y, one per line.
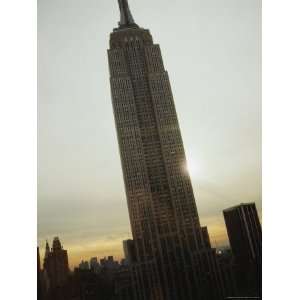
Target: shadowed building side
pixel 245 236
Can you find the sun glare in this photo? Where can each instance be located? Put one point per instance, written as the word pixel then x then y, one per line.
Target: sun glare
pixel 192 167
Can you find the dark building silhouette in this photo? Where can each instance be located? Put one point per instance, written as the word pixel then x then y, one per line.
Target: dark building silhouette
pixel 226 265
pixel 206 237
pixel 88 286
pixel 173 260
pixel 243 298
pixel 245 236
pixel 129 251
pixel 39 277
pixel 123 284
pixel 107 284
pixel 94 265
pixel 109 263
pixel 56 264
pixel 84 265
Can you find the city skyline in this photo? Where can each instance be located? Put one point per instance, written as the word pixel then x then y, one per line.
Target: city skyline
pixel 211 198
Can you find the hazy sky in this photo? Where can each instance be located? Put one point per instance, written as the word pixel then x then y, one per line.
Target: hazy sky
pixel 212 51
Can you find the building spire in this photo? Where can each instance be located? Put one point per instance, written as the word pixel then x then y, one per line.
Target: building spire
pixel 47 251
pixel 126 19
pixel 56 245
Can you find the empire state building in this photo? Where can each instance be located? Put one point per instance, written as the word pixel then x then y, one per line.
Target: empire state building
pixel 173 260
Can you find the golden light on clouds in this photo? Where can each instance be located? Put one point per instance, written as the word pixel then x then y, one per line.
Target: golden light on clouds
pixel 95 248
pixel 113 245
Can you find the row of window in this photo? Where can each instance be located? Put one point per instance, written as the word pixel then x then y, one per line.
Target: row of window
pixel 154 59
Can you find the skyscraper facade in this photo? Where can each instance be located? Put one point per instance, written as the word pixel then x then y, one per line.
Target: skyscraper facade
pixel 172 259
pixel 245 236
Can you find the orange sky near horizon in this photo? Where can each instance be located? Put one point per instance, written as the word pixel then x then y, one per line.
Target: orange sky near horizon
pixel 103 248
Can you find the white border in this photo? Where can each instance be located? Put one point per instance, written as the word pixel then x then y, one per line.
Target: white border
pixel 18 155
pixel 281 149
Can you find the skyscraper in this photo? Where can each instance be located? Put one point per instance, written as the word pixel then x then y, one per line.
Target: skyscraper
pixel 173 260
pixel 39 276
pixel 245 236
pixel 56 264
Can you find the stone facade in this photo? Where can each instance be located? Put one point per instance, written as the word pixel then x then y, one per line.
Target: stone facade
pixel 173 261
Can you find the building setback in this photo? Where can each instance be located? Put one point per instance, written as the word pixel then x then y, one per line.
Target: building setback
pixel 173 259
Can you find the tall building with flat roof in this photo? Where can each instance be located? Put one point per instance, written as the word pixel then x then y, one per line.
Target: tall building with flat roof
pixel 244 232
pixel 245 236
pixel 173 260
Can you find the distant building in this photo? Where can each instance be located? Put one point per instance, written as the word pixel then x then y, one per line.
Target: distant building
pixel 39 276
pixel 86 284
pixel 244 232
pixel 124 262
pixel 129 251
pixel 205 235
pixel 123 284
pixel 84 265
pixel 226 265
pixel 56 264
pixel 109 263
pixel 102 261
pixel 245 236
pixel 94 265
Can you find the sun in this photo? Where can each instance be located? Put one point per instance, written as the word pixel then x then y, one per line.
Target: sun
pixel 192 167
